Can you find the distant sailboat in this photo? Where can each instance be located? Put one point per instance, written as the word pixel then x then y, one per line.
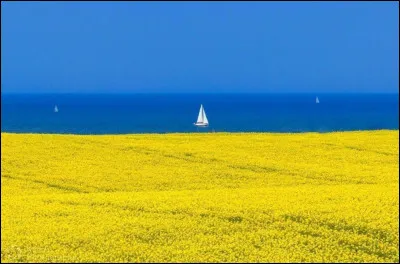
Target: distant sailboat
pixel 202 120
pixel 55 109
pixel 317 100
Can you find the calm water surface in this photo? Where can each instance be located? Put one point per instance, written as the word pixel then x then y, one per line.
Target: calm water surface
pixel 161 113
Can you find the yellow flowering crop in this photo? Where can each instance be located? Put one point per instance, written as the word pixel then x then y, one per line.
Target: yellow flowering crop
pixel 215 197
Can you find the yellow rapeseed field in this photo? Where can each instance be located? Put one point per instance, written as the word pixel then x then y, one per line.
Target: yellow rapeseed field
pixel 255 197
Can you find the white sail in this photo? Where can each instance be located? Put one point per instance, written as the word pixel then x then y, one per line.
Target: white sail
pixel 205 120
pixel 201 115
pixel 202 118
pixel 55 109
pixel 317 100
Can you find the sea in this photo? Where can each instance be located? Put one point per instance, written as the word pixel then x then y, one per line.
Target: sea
pixel 172 113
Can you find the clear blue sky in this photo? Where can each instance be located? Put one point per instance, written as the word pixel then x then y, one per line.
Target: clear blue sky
pixel 200 47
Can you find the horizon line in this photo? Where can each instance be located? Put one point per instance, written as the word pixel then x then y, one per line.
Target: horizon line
pixel 190 93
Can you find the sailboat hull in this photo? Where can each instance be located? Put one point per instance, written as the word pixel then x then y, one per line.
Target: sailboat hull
pixel 200 124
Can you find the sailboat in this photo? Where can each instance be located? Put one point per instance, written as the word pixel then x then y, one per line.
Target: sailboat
pixel 202 120
pixel 317 100
pixel 56 109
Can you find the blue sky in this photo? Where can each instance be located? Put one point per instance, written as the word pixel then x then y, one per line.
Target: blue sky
pixel 199 47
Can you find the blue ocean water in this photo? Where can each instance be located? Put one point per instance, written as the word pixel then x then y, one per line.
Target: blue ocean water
pixel 166 113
